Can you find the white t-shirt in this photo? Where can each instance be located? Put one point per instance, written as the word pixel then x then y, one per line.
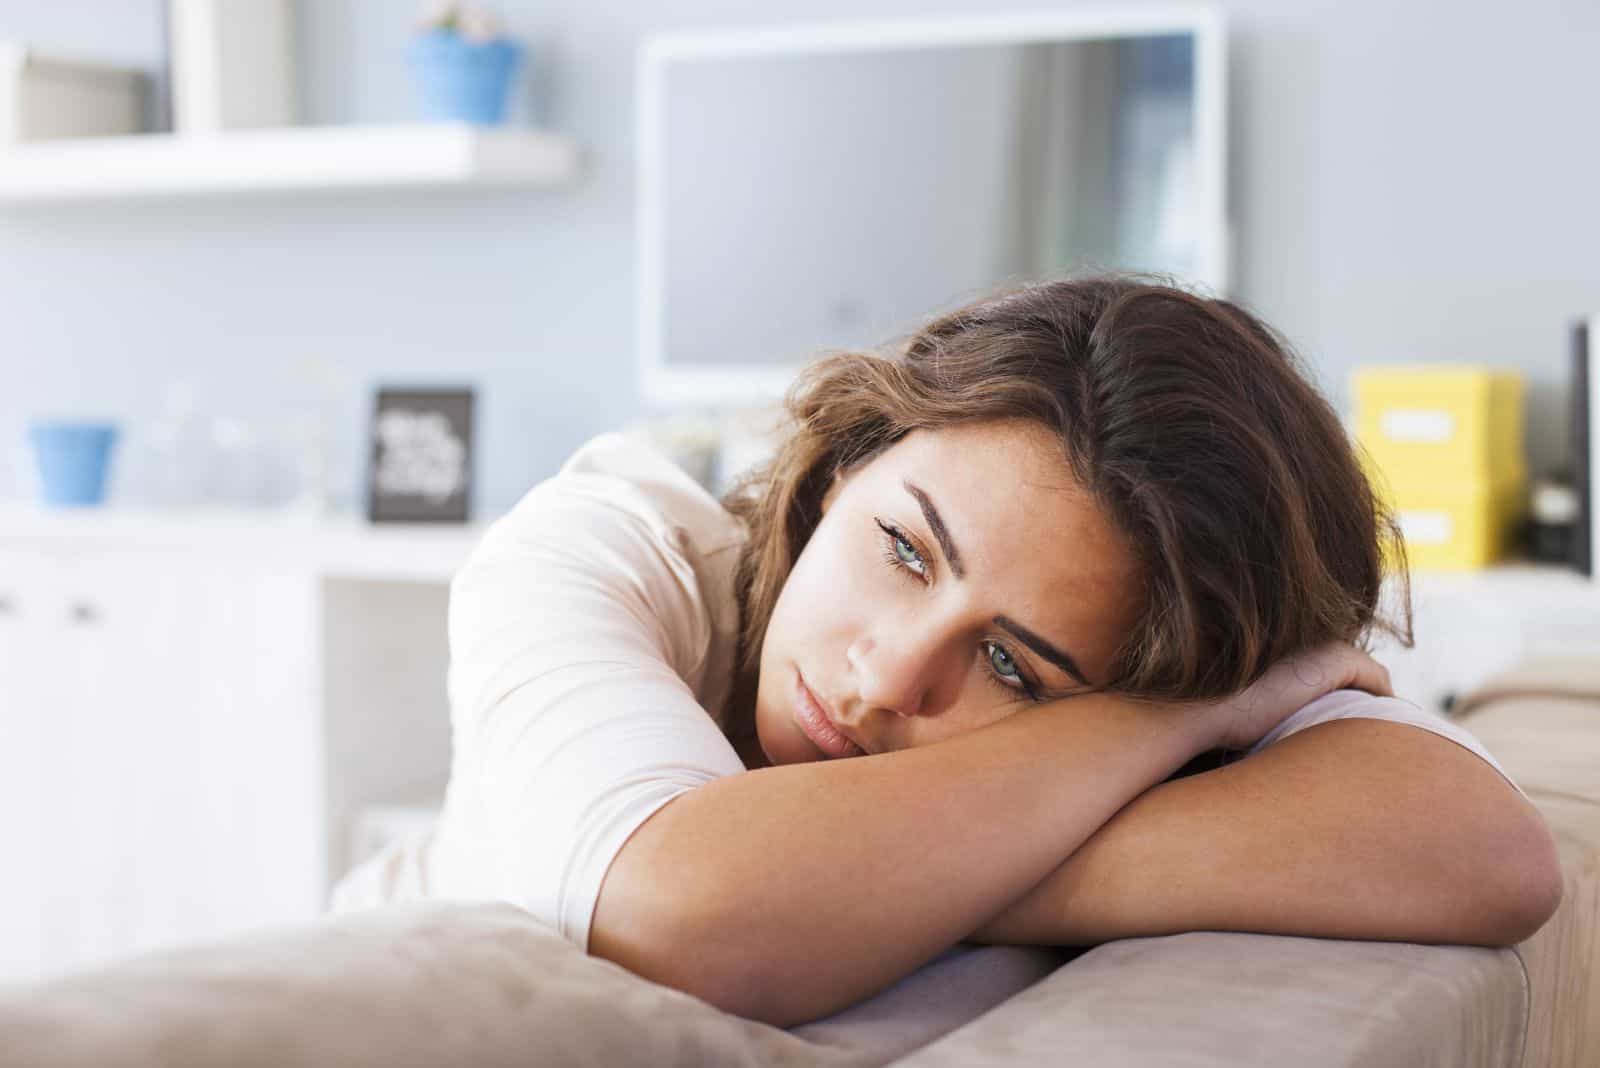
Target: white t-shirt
pixel 592 640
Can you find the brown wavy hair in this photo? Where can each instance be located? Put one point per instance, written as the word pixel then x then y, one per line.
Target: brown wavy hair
pixel 1188 419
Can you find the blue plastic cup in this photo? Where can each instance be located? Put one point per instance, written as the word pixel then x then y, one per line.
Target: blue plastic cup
pixel 463 80
pixel 73 461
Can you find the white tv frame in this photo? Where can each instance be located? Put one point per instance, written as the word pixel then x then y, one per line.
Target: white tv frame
pixel 701 385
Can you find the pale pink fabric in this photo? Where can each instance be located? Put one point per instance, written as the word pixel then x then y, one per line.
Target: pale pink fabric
pixel 1356 704
pixel 592 638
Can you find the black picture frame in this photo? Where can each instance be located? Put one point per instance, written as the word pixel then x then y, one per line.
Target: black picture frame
pixel 421 460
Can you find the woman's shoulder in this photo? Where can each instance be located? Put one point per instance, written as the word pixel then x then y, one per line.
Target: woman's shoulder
pixel 620 537
pixel 618 472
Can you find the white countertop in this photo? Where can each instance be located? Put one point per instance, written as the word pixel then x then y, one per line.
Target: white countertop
pixel 341 546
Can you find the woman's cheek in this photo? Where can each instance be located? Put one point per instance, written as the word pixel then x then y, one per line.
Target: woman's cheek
pixel 840 588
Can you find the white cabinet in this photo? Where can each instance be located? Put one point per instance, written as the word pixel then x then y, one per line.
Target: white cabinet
pixel 25 707
pixel 188 733
pixel 167 765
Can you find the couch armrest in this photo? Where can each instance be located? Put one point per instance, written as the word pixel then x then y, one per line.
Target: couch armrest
pixel 1541 721
pixel 1225 999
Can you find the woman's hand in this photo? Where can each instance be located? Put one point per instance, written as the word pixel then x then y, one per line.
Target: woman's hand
pixel 1242 719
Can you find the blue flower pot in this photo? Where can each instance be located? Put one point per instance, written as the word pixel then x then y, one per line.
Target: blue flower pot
pixel 73 460
pixel 461 80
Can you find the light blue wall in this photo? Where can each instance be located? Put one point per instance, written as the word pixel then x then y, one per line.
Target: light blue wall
pixel 1410 180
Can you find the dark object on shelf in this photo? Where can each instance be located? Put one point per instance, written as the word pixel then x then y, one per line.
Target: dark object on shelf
pixel 159 101
pixel 421 469
pixel 1552 521
pixel 1585 387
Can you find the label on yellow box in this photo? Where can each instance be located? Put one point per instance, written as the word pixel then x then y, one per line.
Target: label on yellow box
pixel 1450 421
pixel 1426 526
pixel 1412 424
pixel 1455 525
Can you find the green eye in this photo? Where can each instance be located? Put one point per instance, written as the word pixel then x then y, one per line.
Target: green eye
pixel 1003 672
pixel 900 554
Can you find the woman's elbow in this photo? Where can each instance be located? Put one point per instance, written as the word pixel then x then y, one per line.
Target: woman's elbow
pixel 1532 885
pixel 676 948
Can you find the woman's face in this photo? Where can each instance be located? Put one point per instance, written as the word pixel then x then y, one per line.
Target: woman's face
pixel 952 580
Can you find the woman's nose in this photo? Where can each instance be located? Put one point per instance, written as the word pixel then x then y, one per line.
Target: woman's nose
pixel 890 677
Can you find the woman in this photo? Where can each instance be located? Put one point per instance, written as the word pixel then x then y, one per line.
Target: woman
pixel 1042 626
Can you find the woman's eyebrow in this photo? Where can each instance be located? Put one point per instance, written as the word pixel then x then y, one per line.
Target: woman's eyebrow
pixel 1042 647
pixel 953 557
pixel 931 514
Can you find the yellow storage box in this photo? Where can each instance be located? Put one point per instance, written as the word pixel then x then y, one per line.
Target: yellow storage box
pixel 1457 422
pixel 1455 525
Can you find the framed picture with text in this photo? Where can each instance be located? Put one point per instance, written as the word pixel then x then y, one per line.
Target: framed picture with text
pixel 421 466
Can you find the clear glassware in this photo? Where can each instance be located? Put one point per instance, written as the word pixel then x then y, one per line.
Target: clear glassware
pixel 320 476
pixel 179 449
pixel 237 471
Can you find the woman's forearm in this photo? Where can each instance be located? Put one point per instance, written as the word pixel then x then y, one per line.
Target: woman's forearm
pixel 788 893
pixel 1354 829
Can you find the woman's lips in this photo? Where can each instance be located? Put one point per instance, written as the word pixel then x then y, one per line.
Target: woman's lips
pixel 814 723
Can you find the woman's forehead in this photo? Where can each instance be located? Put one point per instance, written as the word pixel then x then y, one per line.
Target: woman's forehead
pixel 1021 452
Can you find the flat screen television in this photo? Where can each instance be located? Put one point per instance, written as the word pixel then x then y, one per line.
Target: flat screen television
pixel 805 188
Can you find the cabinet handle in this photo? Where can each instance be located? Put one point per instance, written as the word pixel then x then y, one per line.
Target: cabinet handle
pixel 84 613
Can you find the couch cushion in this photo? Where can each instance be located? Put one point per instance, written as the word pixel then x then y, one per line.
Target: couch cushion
pixel 1557 676
pixel 432 984
pixel 934 1000
pixel 446 983
pixel 1209 998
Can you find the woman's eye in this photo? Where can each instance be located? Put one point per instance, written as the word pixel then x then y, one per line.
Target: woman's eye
pixel 1005 673
pixel 901 554
pixel 1004 666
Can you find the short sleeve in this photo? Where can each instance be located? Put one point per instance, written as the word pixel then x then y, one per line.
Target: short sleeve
pixel 1357 704
pixel 574 629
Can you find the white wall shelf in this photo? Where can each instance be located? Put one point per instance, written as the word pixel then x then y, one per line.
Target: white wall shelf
pixel 292 159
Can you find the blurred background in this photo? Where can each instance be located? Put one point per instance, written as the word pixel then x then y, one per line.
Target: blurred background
pixel 296 296
pixel 1405 182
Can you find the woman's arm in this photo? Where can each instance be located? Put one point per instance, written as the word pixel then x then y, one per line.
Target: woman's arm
pixel 788 893
pixel 1355 828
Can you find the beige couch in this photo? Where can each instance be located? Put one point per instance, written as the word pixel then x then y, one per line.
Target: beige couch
pixel 487 985
pixel 1542 722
